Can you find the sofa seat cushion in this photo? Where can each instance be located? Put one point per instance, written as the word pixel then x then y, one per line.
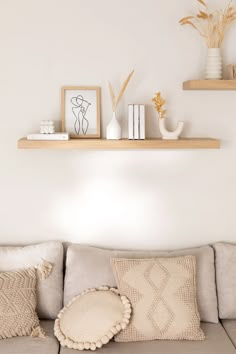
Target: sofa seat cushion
pixel 230 328
pixel 217 342
pixel 29 345
pixel 90 267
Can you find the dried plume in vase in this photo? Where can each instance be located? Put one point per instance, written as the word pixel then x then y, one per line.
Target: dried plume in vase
pixel 211 25
pixel 116 100
pixel 159 103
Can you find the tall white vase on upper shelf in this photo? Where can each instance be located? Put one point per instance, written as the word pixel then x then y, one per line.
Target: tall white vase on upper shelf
pixel 114 129
pixel 214 67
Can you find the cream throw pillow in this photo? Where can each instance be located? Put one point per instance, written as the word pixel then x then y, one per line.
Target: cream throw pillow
pixel 92 319
pixel 50 292
pixel 18 304
pixel 162 293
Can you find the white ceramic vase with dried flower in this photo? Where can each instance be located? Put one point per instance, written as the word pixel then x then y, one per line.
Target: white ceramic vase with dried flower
pixel 168 135
pixel 212 27
pixel 165 133
pixel 114 128
pixel 214 67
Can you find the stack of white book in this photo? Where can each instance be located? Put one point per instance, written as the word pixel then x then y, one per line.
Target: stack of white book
pixel 136 121
pixel 54 136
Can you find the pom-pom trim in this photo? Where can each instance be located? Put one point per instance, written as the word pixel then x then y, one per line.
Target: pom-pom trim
pixel 69 343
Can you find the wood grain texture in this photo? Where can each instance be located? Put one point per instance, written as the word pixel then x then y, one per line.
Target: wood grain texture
pixel 103 144
pixel 210 85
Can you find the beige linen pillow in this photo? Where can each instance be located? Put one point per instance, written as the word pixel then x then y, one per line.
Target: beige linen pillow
pixel 92 319
pixel 162 293
pixel 50 292
pixel 18 315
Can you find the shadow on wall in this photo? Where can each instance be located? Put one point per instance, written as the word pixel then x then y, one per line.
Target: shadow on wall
pixel 112 200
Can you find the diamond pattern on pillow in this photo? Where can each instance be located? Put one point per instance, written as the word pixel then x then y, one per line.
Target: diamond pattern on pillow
pixel 163 297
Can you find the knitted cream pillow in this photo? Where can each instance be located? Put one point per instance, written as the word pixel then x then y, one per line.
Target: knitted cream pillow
pixel 162 293
pixel 92 319
pixel 18 315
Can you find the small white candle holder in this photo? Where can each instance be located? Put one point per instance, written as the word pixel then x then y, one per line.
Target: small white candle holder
pixel 47 127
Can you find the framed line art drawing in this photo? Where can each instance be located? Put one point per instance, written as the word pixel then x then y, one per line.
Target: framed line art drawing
pixel 81 111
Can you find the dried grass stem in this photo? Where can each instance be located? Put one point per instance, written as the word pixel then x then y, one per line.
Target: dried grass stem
pixel 212 26
pixel 116 100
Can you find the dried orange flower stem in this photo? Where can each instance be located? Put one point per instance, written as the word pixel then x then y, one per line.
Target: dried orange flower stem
pixel 159 105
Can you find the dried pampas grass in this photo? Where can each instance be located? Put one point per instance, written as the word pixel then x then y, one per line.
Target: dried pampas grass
pixel 212 26
pixel 115 101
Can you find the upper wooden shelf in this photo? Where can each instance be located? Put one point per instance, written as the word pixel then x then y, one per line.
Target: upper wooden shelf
pixel 103 144
pixel 210 85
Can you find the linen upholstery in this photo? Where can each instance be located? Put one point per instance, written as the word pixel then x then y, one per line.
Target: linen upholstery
pixel 230 328
pixel 29 345
pixel 89 267
pixel 217 342
pixel 18 303
pixel 162 292
pixel 49 291
pixel 226 279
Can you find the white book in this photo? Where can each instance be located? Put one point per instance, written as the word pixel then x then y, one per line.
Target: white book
pixel 131 121
pixel 142 121
pixel 136 122
pixel 55 136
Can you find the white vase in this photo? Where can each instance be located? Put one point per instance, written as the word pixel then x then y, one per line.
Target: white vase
pixel 166 134
pixel 114 129
pixel 214 68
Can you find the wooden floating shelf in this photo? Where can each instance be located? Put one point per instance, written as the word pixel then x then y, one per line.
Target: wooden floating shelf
pixel 210 85
pixel 103 144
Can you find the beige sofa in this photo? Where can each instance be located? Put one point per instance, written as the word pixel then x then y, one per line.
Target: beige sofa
pixel 87 267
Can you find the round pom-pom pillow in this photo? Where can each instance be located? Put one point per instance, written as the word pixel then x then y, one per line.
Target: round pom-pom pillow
pixel 92 319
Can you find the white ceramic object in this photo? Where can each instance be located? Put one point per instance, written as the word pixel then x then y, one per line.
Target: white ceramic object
pixel 47 127
pixel 214 68
pixel 114 129
pixel 166 134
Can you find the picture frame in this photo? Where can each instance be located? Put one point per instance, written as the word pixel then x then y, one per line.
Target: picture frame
pixel 81 111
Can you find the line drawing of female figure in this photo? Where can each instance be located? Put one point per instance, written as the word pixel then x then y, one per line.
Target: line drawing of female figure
pixel 79 109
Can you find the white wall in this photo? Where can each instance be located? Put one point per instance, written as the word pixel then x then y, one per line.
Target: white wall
pixel 138 199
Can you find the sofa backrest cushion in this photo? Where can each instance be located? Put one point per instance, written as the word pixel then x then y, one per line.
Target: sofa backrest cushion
pixel 226 279
pixel 90 267
pixel 49 291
